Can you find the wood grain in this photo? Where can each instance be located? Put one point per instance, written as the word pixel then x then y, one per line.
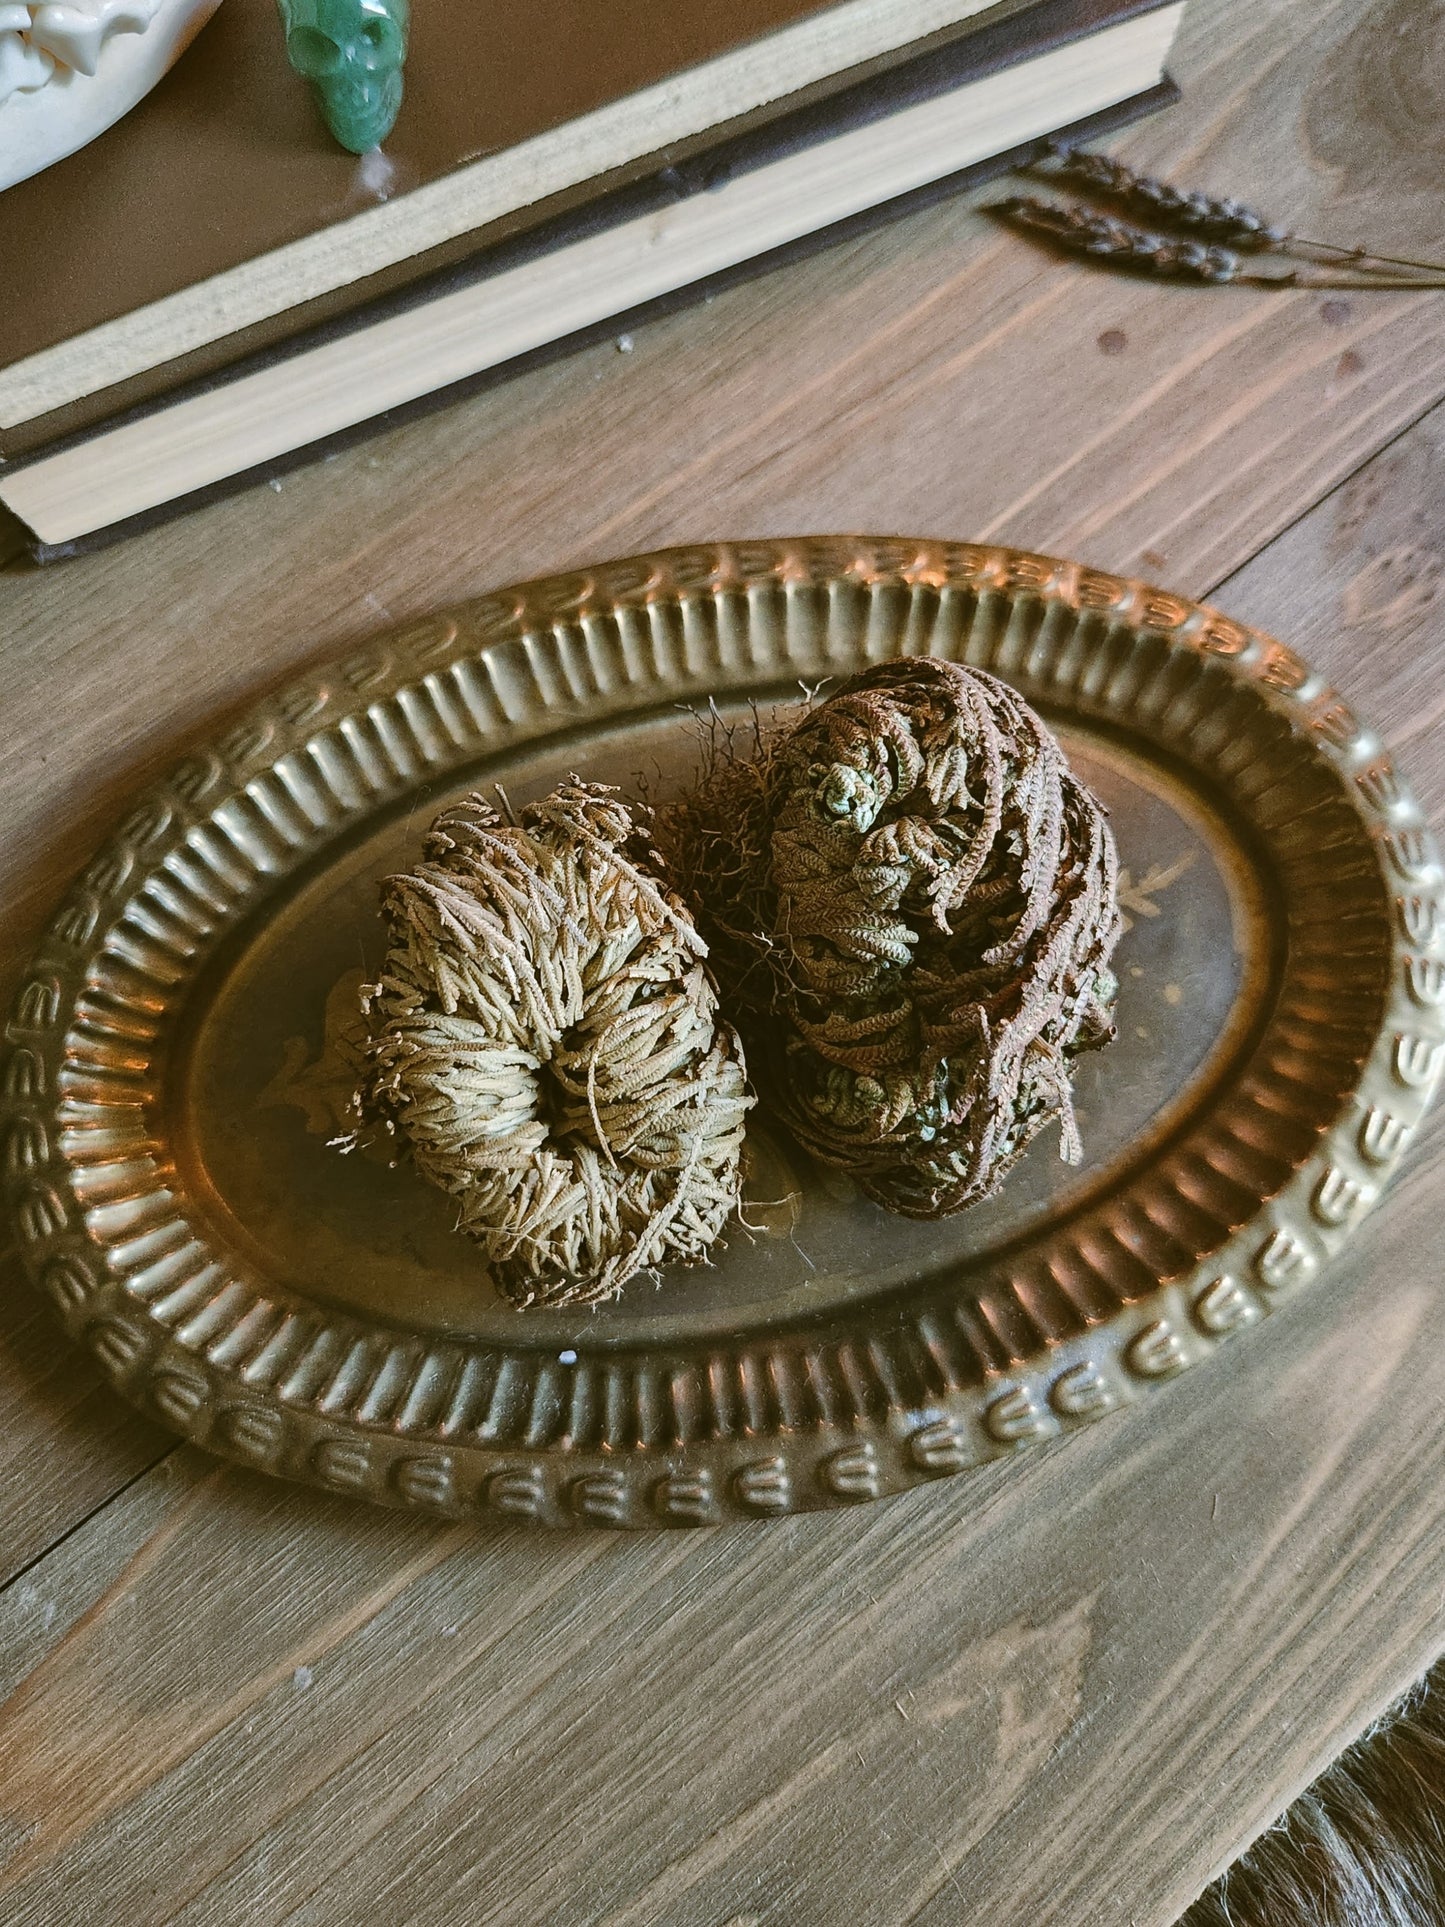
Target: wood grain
pixel 1360 585
pixel 1064 1690
pixel 67 1441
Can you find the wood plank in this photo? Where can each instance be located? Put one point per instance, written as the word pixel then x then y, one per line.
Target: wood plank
pixel 42 1605
pixel 1359 587
pixel 67 1442
pixel 1066 1689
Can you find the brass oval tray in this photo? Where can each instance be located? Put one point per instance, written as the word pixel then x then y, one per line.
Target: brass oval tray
pixel 179 1057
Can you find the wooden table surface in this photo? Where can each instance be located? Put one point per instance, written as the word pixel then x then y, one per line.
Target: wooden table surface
pixel 1065 1690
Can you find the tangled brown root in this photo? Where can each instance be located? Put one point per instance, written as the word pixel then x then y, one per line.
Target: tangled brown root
pixel 545 1042
pixel 912 902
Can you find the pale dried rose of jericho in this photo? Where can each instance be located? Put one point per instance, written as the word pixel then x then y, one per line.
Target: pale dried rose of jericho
pixel 546 1046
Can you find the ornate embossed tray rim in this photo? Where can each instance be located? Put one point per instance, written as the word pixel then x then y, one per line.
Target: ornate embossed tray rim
pixel 784 1420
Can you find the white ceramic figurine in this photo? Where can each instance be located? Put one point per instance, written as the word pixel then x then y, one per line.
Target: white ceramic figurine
pixel 69 68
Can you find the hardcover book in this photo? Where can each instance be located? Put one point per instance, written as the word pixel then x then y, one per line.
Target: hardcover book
pixel 220 291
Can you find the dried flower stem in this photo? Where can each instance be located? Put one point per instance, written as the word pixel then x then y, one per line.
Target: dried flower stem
pixel 1105 239
pixel 1100 237
pixel 1228 222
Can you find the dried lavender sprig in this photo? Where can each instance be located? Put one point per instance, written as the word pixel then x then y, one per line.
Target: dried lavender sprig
pixel 1102 238
pixel 1099 237
pixel 1228 222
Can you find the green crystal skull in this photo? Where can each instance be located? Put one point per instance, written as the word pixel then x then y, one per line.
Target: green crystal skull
pixel 352 52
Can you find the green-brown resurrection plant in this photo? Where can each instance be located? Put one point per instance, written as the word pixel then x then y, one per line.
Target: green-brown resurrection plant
pixel 545 1045
pixel 911 905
